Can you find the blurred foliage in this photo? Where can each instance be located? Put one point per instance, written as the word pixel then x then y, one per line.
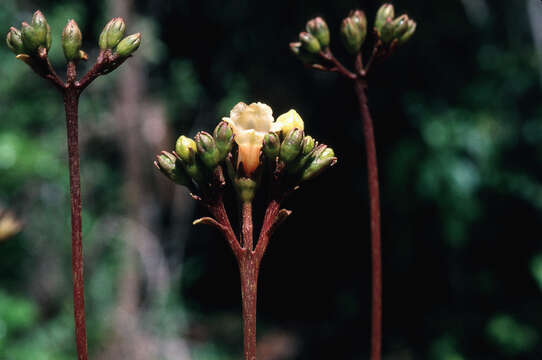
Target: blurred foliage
pixel 458 125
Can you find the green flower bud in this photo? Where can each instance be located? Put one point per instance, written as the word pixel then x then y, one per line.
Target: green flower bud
pixel 400 26
pixel 246 189
pixel 307 147
pixel 128 45
pixel 186 149
pixel 360 20
pixel 302 54
pixel 352 35
pixel 112 33
pixel 31 39
pixel 271 145
pixel 207 149
pixel 318 28
pixel 223 135
pixel 42 29
pixel 167 164
pixel 386 34
pixel 309 43
pixel 71 41
pixel 408 34
pixel 385 12
pixel 291 146
pixel 15 41
pixel 323 158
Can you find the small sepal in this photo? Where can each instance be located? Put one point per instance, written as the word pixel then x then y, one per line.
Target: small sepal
pixel 246 188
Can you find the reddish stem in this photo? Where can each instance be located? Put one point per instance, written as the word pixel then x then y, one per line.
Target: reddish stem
pixel 249 267
pixel 376 257
pixel 248 259
pixel 268 221
pixel 246 227
pixel 71 89
pixel 71 100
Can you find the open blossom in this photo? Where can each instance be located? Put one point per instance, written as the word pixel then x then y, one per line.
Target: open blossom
pixel 250 123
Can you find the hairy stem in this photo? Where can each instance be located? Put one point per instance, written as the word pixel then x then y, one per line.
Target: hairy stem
pixel 71 100
pixel 248 268
pixel 247 231
pixel 376 256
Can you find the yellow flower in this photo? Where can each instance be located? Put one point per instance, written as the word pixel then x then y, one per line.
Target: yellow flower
pixel 289 121
pixel 250 123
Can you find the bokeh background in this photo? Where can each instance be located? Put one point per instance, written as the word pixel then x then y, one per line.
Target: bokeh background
pixel 458 117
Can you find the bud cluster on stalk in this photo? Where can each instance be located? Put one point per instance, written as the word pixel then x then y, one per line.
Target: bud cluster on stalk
pixel 112 38
pixel 315 39
pixel 288 152
pixel 301 157
pixel 388 29
pixel 193 161
pixel 34 40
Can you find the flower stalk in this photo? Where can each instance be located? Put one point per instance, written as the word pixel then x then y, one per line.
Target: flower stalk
pixel 245 141
pixel 31 46
pixel 389 33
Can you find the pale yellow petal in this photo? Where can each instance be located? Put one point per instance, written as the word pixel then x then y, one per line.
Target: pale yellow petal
pixel 289 121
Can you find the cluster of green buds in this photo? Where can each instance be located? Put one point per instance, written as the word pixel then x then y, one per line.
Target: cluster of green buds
pixel 315 39
pixel 244 142
pixel 34 39
pixel 298 154
pixel 354 31
pixel 389 30
pixel 112 38
pixel 194 161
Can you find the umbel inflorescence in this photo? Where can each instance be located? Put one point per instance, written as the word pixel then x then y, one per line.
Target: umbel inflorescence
pixel 255 150
pixel 242 143
pixel 389 31
pixel 32 42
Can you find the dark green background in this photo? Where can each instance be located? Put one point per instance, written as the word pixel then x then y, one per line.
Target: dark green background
pixel 458 121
